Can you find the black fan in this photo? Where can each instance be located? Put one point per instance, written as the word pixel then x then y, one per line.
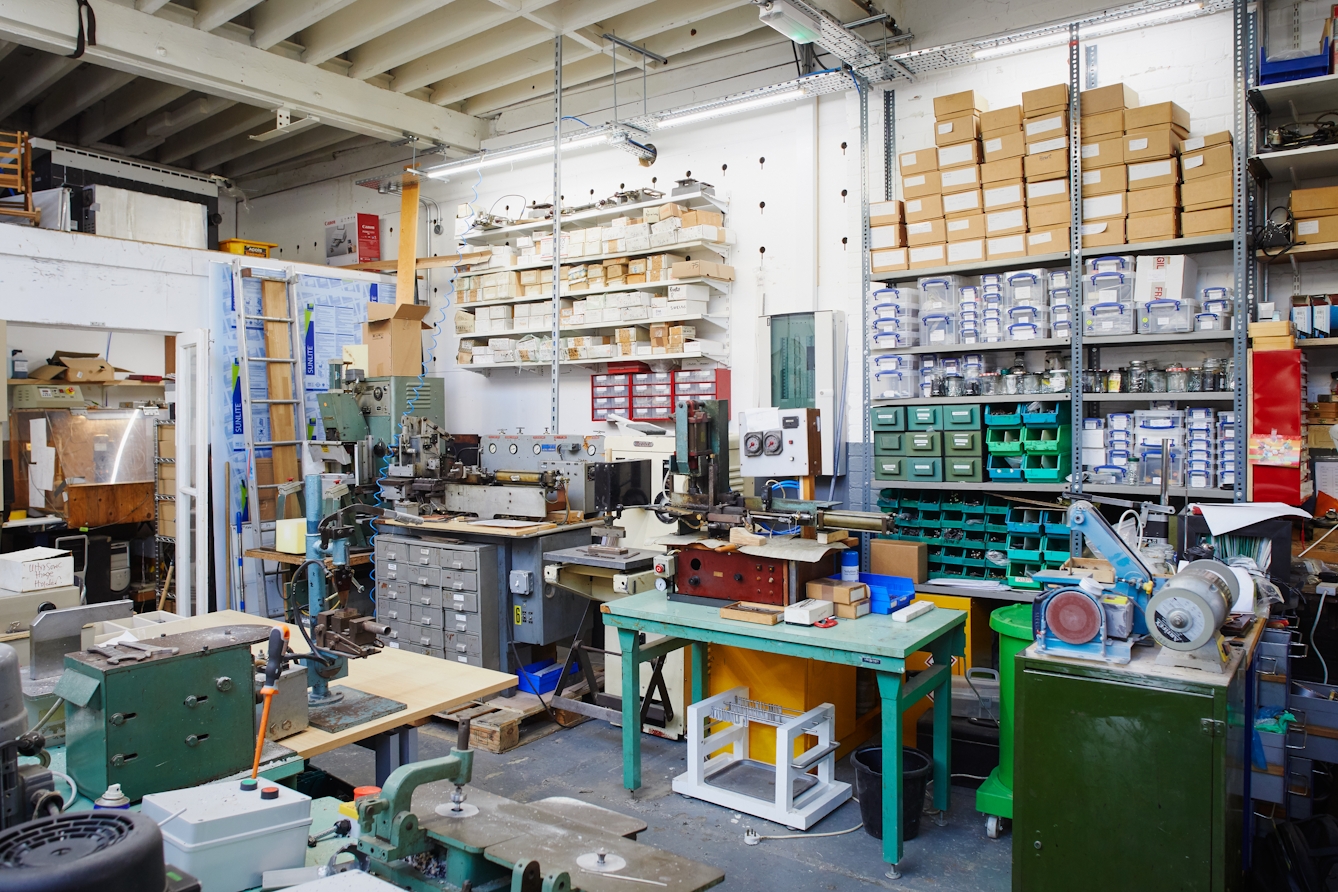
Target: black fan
pixel 118 850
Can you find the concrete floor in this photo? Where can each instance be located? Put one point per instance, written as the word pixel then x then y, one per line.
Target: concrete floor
pixel 585 762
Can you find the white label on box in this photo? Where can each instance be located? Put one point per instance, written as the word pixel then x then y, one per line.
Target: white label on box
pixel 1107 295
pixel 994 145
pixel 961 252
pixel 1093 228
pixel 960 176
pixel 1150 169
pixel 1045 125
pixel 920 228
pixel 1040 238
pixel 945 127
pixel 1103 205
pixel 961 201
pixel 889 257
pixel 1307 227
pixel 1003 194
pixel 1191 163
pixel 1004 219
pixel 908 159
pixel 1193 145
pixel 1091 177
pixel 913 206
pixel 955 154
pixel 1048 145
pixel 912 182
pixel 937 336
pixel 926 252
pixel 1048 187
pixel 1091 151
pixel 1138 145
pixel 955 225
pixel 1011 244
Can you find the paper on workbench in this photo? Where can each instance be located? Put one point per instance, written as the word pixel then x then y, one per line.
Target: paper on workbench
pixel 689 539
pixel 804 550
pixel 1226 518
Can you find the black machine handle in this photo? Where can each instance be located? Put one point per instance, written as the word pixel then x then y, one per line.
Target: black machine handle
pixel 462 736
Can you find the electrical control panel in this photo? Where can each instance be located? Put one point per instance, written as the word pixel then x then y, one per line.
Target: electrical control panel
pixel 780 443
pixel 47 396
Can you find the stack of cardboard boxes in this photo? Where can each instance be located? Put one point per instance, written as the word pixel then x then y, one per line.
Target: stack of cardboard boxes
pixel 1316 215
pixel 1105 179
pixel 1205 195
pixel 1149 146
pixel 1045 168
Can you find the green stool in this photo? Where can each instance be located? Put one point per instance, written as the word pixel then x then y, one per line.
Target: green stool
pixel 994 798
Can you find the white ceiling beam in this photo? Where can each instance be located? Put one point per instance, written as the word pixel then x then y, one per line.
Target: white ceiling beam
pixel 501 41
pixel 223 126
pixel 301 144
pixel 125 108
pixel 153 131
pixel 150 47
pixel 355 25
pixel 276 20
pixel 32 80
pixel 211 14
pixel 462 20
pixel 150 6
pixel 74 94
pixel 6 48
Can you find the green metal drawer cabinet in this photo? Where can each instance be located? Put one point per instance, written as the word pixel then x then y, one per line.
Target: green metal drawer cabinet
pixel 888 418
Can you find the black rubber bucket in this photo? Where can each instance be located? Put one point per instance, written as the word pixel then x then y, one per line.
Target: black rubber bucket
pixel 916 768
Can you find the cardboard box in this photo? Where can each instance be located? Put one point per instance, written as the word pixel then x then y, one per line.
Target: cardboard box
pixel 1321 201
pixel 353 239
pixel 1006 247
pixel 1000 119
pixel 959 179
pixel 1206 222
pixel 961 229
pixel 33 569
pixel 1046 165
pixel 1317 230
pixel 888 261
pixel 885 213
pixel 957 104
pixel 963 154
pixel 1270 329
pixel 393 334
pixel 1105 180
pixel 692 269
pixel 1100 207
pixel 700 218
pixel 927 256
pixel 1047 192
pixel 921 184
pixel 927 232
pixel 1106 124
pixel 836 591
pixel 1150 144
pixel 1005 144
pixel 1210 192
pixel 1153 226
pixel 1048 241
pixel 1047 99
pixel 1048 216
pixel 926 207
pixel 887 236
pixel 970 251
pixel 1151 174
pixel 1001 170
pixel 1102 152
pixel 1160 114
pixel 1159 198
pixel 961 203
pixel 1047 126
pixel 1102 233
pixel 854 611
pixel 1212 161
pixel 960 128
pixel 1009 222
pixel 1053 144
pixel 888 557
pixel 1104 99
pixel 919 161
pixel 1165 277
pixel 1001 196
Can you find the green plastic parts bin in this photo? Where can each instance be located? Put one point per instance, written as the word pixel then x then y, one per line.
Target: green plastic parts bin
pixel 994 798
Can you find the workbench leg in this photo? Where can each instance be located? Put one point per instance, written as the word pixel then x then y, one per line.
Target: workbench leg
pixel 385 758
pixel 697 653
pixel 889 686
pixel 408 739
pixel 629 642
pixel 942 651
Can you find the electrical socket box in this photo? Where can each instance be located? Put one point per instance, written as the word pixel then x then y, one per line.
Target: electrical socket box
pixel 780 442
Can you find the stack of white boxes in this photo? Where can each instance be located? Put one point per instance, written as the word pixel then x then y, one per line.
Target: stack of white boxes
pixel 1200 447
pixel 1226 449
pixel 494 319
pixel 1155 431
pixel 893 376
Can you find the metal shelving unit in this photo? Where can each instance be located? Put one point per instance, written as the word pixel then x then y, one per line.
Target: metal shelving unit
pixel 164 546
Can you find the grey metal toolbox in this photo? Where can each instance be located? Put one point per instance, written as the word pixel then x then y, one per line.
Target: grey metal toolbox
pixel 428 587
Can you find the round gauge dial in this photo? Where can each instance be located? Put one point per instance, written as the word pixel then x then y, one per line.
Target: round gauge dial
pixel 662 584
pixel 492 447
pixel 538 448
pixel 752 444
pixel 513 448
pixel 772 444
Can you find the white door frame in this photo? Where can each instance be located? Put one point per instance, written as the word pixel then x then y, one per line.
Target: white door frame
pixel 192 496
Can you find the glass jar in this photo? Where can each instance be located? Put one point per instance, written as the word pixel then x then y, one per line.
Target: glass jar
pixel 1092 381
pixel 1009 383
pixel 1055 380
pixel 1053 360
pixel 1019 363
pixel 1177 379
pixel 1212 375
pixel 1229 375
pixel 989 383
pixel 1156 380
pixel 1029 383
pixel 1194 380
pixel 954 385
pixel 1138 377
pixel 1115 381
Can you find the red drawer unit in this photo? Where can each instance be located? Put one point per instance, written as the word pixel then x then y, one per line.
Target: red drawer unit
pixel 611 392
pixel 701 384
pixel 1277 404
pixel 653 396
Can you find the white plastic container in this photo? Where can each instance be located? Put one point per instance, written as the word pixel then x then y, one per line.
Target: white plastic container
pixel 1059 278
pixel 1108 318
pixel 893 385
pixel 1167 316
pixel 228 837
pixel 1061 328
pixel 1026 331
pixel 1112 263
pixel 892 340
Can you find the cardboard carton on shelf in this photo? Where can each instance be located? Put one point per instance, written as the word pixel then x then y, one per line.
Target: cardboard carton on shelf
pixel 836 590
pixel 1105 180
pixel 962 154
pixel 956 104
pixel 961 229
pixel 999 120
pixel 959 179
pixel 1159 114
pixel 1207 222
pixel 1001 196
pixel 1008 222
pixel 1208 192
pixel 1052 144
pixel 960 128
pixel 888 261
pixel 1103 233
pixel 968 251
pixel 1046 165
pixel 1211 161
pixel 887 236
pixel 1110 123
pixel 1264 345
pixel 1003 145
pixel 1100 207
pixel 1316 230
pixel 1045 100
pixel 1002 170
pixel 889 557
pixel 1152 174
pixel 1153 226
pixel 1047 126
pixel 1142 201
pixel 1195 143
pixel 1049 215
pixel 1150 144
pixel 925 207
pixel 919 161
pixel 1112 97
pixel 1283 328
pixel 922 184
pixel 927 256
pixel 1006 247
pixel 80 368
pixel 1054 240
pixel 928 232
pixel 1319 201
pixel 1047 192
pixel 1103 152
pixel 886 213
pixel 961 204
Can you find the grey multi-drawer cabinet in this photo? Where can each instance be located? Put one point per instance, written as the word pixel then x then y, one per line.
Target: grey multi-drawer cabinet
pixel 439 598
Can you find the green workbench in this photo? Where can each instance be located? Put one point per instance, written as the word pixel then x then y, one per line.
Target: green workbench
pixel 872 642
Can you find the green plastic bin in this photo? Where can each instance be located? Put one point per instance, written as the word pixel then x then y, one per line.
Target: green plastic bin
pixel 995 795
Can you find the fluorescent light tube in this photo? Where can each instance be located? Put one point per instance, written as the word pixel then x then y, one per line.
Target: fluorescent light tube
pixel 789 20
pixel 504 156
pixel 1090 31
pixel 732 108
pixel 1021 46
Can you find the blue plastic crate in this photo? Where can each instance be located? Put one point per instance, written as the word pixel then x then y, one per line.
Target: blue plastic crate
pixel 1294 69
pixel 540 677
pixel 1044 418
pixel 1000 469
pixel 888 593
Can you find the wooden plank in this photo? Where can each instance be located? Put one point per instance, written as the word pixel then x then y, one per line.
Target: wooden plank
pixel 279 377
pixel 103 504
pixel 355 559
pixel 406 270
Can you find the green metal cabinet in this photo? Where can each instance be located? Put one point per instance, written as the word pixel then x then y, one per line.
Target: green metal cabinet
pixel 1127 777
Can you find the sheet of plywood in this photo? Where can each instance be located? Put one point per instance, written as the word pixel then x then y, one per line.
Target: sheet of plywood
pixel 406 268
pixel 279 376
pixel 103 504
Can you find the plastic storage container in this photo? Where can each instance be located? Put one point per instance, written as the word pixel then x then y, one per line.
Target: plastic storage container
pixel 893 385
pixel 1027 289
pixel 1167 316
pixel 938 329
pixel 1125 263
pixel 1108 287
pixel 1150 470
pixel 1108 318
pixel 1027 331
pixel 939 294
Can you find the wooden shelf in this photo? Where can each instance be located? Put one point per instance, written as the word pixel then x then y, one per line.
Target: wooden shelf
pixel 1304 253
pixel 1315 343
pixel 14 381
pixel 597 326
pixel 718 284
pixel 614 210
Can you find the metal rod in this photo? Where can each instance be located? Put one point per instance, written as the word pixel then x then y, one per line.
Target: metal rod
pixel 555 368
pixel 645 53
pixel 1075 273
pixel 859 23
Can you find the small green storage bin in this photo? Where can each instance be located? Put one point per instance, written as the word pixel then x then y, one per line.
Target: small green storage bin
pixel 925 468
pixel 1004 441
pixel 924 443
pixel 962 442
pixel 889 444
pixel 1047 440
pixel 961 418
pixel 930 500
pixel 996 505
pixel 1025 547
pixel 924 418
pixel 963 468
pixel 972 502
pixel 930 518
pixel 1056 549
pixel 889 467
pixel 1046 468
pixel 888 418
pixel 1025 520
pixel 1003 414
pixel 1019 574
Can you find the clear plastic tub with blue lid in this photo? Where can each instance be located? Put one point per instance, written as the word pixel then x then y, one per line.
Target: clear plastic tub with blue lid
pixel 1025 331
pixel 1167 316
pixel 1119 263
pixel 1115 317
pixel 938 329
pixel 892 385
pixel 1109 286
pixel 939 293
pixel 1027 288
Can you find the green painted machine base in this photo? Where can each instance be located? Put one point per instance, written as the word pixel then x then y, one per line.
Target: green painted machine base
pixel 993 798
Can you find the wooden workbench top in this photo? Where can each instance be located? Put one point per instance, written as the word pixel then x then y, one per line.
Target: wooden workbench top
pixel 357 559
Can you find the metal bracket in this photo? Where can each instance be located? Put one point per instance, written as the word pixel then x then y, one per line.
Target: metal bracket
pixel 56 633
pixel 1212 727
pixel 1089 53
